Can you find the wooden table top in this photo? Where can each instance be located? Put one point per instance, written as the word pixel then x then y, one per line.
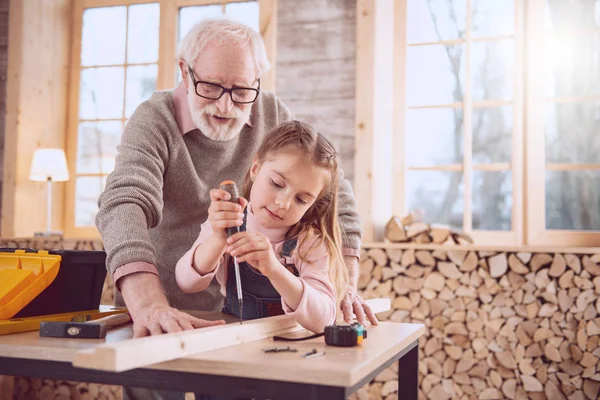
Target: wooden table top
pixel 339 366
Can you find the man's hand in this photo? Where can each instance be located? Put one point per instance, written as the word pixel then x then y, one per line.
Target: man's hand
pixel 150 309
pixel 161 318
pixel 352 301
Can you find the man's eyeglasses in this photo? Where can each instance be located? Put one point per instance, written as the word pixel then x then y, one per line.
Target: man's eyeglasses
pixel 213 91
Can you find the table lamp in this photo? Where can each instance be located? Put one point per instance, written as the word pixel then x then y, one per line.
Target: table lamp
pixel 49 165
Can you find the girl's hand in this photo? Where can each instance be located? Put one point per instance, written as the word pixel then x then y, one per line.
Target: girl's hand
pixel 222 213
pixel 255 249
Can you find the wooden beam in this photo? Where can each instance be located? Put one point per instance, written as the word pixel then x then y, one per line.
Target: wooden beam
pixel 364 115
pixel 141 352
pixel 36 110
pixel 167 61
pixel 268 30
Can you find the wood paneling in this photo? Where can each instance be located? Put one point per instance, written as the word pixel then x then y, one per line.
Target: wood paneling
pixel 35 115
pixel 316 68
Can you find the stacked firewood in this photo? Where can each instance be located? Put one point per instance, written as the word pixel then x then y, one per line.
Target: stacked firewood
pixel 411 228
pixel 500 325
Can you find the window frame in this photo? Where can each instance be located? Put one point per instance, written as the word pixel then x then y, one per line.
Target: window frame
pixel 528 159
pixel 166 78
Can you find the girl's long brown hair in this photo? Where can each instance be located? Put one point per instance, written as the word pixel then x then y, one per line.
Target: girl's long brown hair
pixel 322 217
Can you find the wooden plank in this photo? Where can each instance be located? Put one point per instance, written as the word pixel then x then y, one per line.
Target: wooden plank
pixel 564 248
pixel 111 3
pixel 267 25
pixel 534 141
pixel 399 115
pixel 141 352
pixel 306 81
pixel 468 129
pixel 571 167
pixel 167 42
pixel 518 160
pixel 312 41
pixel 72 117
pixel 37 84
pixel 311 11
pixel 13 92
pixel 364 116
pixel 459 167
pixel 338 367
pixel 326 116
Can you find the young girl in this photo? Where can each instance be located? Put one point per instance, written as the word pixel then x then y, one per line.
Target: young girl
pixel 289 244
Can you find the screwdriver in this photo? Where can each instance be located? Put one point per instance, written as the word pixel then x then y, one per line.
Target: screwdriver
pixel 231 188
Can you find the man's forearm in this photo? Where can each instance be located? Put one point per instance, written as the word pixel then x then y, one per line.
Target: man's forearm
pixel 140 290
pixel 352 266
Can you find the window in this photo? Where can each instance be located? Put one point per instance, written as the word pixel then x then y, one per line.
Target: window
pixel 459 122
pixel 117 69
pixel 566 95
pixel 496 115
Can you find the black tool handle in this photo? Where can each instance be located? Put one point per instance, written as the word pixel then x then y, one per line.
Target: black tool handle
pixel 231 188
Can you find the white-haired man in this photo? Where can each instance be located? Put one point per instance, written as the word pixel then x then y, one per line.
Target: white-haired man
pixel 177 146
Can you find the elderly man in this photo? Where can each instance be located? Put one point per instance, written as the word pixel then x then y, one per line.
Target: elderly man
pixel 177 146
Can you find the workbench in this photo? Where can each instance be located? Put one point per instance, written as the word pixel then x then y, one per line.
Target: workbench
pixel 243 370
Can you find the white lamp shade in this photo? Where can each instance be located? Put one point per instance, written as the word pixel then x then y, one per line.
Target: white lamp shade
pixel 49 163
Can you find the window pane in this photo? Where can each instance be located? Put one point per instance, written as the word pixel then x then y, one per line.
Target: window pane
pixel 245 12
pixel 573 133
pixel 435 20
pixel 440 194
pixel 434 74
pixel 142 39
pixel 87 191
pixel 434 136
pixel 573 200
pixel 101 45
pixel 141 83
pixel 572 65
pixel 493 18
pixel 97 146
pixel 101 93
pixel 492 135
pixel 493 65
pixel 492 200
pixel 188 16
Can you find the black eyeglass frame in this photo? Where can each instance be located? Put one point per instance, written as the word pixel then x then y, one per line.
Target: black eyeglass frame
pixel 223 89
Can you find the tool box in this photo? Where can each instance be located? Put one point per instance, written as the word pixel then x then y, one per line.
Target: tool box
pixel 41 282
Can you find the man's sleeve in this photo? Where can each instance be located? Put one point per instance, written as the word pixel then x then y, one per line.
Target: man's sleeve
pixel 348 217
pixel 131 202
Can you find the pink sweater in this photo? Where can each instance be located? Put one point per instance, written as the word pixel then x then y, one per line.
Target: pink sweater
pixel 317 307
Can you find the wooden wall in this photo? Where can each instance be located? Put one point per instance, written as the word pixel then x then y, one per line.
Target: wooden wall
pixel 316 46
pixel 3 70
pixel 37 87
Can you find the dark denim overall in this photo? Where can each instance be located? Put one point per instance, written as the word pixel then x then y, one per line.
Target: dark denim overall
pixel 260 297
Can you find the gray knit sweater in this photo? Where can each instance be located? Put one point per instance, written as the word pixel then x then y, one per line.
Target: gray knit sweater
pixel 158 194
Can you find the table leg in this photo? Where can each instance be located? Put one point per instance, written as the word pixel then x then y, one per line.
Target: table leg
pixel 408 374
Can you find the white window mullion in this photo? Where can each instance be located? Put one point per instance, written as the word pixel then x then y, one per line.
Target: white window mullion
pixel 518 160
pixel 468 130
pixel 534 143
pixel 399 114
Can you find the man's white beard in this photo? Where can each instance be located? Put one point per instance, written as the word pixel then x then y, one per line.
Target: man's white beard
pixel 201 117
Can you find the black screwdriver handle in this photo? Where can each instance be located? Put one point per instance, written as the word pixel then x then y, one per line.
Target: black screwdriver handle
pixel 231 188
